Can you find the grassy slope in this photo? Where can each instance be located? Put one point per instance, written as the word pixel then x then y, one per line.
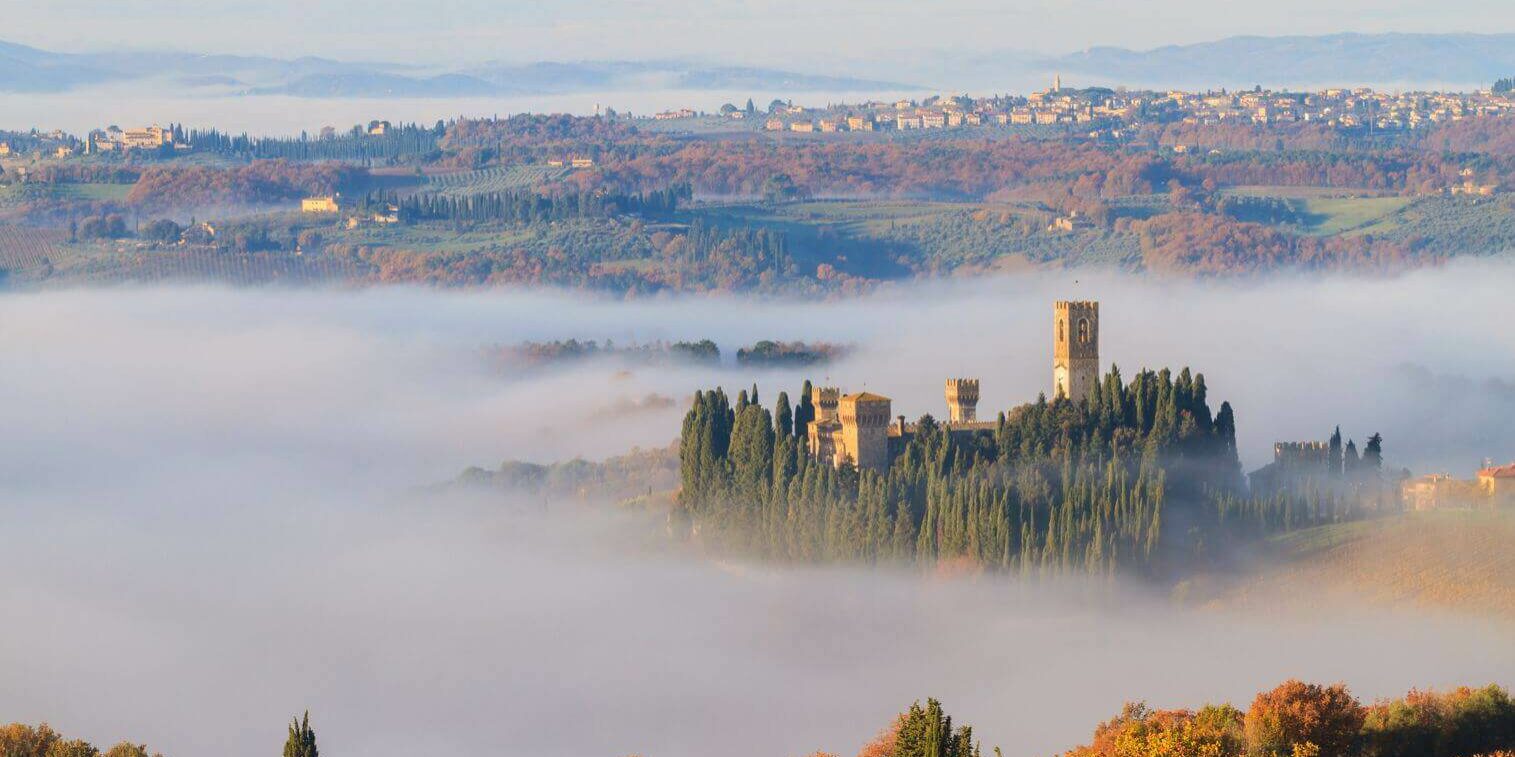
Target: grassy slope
pixel 1457 560
pixel 1337 211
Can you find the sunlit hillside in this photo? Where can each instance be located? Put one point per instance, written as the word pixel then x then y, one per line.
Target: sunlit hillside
pixel 1460 560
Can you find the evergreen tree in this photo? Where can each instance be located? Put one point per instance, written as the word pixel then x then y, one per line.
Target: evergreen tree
pixel 927 732
pixel 302 740
pixel 784 416
pixel 1334 461
pixel 804 414
pixel 1050 488
pixel 1372 454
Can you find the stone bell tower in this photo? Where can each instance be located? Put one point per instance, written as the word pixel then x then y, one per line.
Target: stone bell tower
pixel 1075 349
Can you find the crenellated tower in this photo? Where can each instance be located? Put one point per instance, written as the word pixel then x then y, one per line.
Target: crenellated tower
pixel 824 398
pixel 865 419
pixel 962 400
pixel 1075 351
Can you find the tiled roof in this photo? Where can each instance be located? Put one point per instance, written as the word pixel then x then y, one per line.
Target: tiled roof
pixel 1500 471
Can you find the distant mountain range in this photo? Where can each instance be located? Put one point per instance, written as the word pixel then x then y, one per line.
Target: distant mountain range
pixel 1386 60
pixel 1336 59
pixel 27 69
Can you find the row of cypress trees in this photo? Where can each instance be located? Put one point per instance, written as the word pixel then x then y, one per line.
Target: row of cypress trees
pixel 530 207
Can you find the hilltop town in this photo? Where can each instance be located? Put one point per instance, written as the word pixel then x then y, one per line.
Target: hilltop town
pixel 1120 114
pixel 832 199
pixel 1101 113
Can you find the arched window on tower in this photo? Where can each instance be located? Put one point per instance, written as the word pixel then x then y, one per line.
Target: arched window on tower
pixel 1083 331
pixel 1062 330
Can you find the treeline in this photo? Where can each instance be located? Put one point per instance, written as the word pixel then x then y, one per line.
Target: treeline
pixel 771 354
pixel 1298 719
pixel 529 138
pixel 624 477
pixel 530 207
pixel 763 353
pixel 398 143
pixel 1294 719
pixel 568 350
pixel 1053 487
pixel 22 740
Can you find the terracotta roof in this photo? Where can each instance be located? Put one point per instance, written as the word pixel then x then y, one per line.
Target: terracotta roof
pixel 1499 471
pixel 866 397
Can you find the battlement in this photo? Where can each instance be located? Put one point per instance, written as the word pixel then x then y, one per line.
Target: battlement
pixel 962 400
pixel 1069 306
pixel 825 399
pixel 962 387
pixel 864 410
pixel 1293 454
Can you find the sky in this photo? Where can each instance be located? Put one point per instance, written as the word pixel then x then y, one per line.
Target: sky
pixel 765 32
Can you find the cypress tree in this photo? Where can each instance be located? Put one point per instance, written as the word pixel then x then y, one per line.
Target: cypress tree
pixel 302 740
pixel 804 414
pixel 1372 454
pixel 1334 458
pixel 784 416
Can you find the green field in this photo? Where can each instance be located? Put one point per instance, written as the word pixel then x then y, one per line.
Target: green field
pixel 12 194
pixel 1330 211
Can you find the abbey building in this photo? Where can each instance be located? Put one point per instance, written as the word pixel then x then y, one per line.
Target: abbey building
pixel 860 429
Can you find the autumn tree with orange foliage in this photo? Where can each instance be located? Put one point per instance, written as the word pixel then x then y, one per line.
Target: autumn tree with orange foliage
pixel 1300 715
pixel 1213 731
pixel 882 745
pixel 1297 719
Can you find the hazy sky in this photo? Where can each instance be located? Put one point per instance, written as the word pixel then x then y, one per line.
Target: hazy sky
pixel 746 31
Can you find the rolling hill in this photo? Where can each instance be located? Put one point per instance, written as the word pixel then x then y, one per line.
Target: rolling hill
pixel 1462 561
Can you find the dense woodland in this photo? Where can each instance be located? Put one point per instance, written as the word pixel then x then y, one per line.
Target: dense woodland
pixel 163 187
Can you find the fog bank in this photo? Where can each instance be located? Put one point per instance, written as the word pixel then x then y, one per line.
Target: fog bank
pixel 209 518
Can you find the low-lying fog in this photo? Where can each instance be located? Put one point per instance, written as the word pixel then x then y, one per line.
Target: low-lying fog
pixel 209 520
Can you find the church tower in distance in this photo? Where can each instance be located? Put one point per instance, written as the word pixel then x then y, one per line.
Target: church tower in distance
pixel 1075 350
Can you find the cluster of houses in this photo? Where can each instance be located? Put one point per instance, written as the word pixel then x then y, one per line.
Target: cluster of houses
pixel 1492 486
pixel 1108 111
pixel 116 139
pixel 570 163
